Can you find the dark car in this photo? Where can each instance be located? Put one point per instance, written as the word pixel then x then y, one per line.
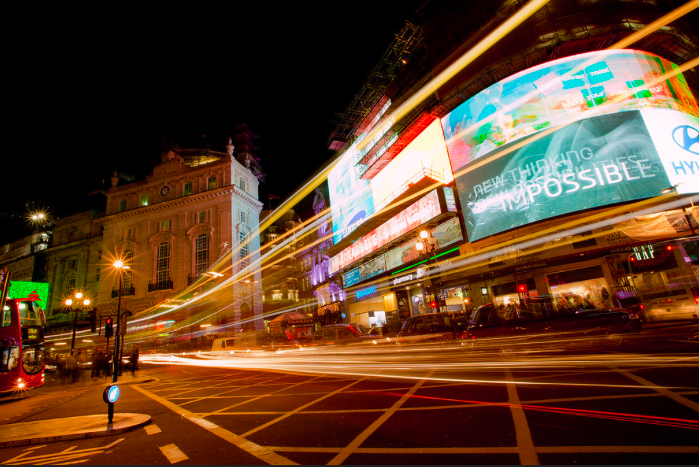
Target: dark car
pixel 547 323
pixel 430 328
pixel 344 335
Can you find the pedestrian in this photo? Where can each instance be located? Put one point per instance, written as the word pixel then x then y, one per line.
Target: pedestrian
pixel 108 363
pixel 71 368
pixel 97 362
pixel 134 360
pixel 81 359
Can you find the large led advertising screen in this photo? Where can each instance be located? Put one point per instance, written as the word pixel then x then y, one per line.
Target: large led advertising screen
pixel 353 199
pixel 560 92
pixel 590 163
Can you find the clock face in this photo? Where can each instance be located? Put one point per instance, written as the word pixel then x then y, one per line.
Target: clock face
pixel 164 191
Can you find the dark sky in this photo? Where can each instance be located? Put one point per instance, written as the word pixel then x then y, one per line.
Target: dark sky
pixel 95 90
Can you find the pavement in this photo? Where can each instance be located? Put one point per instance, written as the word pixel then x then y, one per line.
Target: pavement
pixel 54 393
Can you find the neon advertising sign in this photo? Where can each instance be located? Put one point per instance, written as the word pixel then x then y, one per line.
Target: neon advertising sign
pixel 413 216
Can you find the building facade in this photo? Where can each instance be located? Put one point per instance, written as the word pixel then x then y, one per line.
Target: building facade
pixel 196 207
pixel 551 73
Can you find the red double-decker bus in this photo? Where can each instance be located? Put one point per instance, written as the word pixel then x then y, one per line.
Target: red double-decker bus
pixel 22 353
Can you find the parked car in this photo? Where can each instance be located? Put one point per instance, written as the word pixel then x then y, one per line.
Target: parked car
pixel 344 335
pixel 549 323
pixel 430 328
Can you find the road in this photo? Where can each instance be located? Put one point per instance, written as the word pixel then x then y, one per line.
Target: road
pixel 636 404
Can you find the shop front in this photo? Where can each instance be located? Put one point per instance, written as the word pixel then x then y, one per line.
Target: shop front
pixel 586 283
pixel 367 308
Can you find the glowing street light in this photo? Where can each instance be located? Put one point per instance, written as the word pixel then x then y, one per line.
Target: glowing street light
pixel 69 304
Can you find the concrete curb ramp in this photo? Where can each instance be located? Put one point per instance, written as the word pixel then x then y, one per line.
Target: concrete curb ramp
pixel 63 429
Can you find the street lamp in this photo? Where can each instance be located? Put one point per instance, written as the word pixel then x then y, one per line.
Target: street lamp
pixel 671 189
pixel 69 304
pixel 116 364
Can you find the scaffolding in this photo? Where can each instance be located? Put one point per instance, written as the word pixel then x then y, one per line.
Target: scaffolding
pixel 376 91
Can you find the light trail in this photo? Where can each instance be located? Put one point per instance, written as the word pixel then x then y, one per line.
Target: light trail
pixel 625 417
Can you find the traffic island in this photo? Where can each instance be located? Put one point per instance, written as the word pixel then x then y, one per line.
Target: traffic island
pixel 63 429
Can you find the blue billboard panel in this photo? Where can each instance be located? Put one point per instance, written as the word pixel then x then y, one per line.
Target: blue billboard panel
pixel 586 164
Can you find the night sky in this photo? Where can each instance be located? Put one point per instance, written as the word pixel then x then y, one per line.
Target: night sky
pixel 92 91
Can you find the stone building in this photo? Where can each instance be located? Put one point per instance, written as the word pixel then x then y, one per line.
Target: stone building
pixel 195 207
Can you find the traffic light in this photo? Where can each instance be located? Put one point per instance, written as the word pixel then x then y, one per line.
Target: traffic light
pixel 433 304
pixel 522 288
pixel 92 316
pixel 108 328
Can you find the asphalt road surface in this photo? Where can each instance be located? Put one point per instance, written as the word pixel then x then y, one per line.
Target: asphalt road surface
pixel 636 404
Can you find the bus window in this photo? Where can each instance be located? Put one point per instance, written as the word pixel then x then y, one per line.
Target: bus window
pixel 32 357
pixel 6 317
pixel 29 315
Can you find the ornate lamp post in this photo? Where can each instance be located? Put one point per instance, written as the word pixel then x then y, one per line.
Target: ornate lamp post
pixel 69 304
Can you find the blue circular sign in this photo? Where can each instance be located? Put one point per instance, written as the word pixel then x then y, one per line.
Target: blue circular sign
pixel 111 394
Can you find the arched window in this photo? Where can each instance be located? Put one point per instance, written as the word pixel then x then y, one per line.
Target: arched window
pixel 201 254
pixel 127 274
pixel 162 263
pixel 243 249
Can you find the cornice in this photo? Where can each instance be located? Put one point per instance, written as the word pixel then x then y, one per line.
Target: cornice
pixel 167 205
pixel 245 196
pixel 68 246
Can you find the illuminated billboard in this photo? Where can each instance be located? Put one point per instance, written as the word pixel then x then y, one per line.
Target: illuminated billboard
pixel 558 93
pixel 353 199
pixel 446 233
pixel 426 208
pixel 425 156
pixel 590 163
pixel 36 290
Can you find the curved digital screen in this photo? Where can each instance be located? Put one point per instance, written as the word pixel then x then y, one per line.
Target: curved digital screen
pixel 560 92
pixel 620 139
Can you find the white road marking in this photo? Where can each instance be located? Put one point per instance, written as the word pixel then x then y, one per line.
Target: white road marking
pixel 525 443
pixel 356 442
pixel 173 453
pixel 152 429
pixel 665 392
pixel 261 452
pixel 68 454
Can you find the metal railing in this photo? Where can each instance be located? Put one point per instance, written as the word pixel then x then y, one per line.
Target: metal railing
pixel 124 291
pixel 161 285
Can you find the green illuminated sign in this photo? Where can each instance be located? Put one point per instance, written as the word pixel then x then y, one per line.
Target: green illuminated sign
pixel 19 289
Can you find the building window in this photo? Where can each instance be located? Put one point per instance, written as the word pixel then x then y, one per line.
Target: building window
pixel 188 188
pixel 200 218
pixel 99 254
pixel 129 234
pixel 70 287
pixel 162 263
pixel 201 254
pixel 127 274
pixel 212 183
pixel 242 216
pixel 97 278
pixel 73 263
pixel 276 295
pixel 144 199
pixel 122 205
pixel 164 225
pixel 242 183
pixel 243 249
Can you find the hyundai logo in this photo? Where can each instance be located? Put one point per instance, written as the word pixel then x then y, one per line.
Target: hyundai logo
pixel 687 138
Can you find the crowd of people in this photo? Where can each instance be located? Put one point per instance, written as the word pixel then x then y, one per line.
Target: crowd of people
pixel 101 363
